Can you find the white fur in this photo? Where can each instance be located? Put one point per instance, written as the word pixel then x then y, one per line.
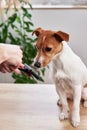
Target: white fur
pixel 41 58
pixel 70 75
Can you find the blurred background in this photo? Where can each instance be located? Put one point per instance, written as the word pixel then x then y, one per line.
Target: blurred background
pixel 66 15
pixel 58 2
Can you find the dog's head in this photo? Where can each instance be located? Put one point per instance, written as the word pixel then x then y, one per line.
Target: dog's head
pixel 49 44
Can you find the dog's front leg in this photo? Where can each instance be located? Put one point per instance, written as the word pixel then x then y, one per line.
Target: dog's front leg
pixel 76 106
pixel 62 95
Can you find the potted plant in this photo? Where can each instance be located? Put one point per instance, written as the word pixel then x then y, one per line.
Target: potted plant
pixel 17 29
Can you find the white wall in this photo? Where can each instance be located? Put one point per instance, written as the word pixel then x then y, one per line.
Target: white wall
pixel 37 1
pixel 54 2
pixel 72 21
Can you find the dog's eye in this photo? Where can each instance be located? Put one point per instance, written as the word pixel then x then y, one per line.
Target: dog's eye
pixel 48 49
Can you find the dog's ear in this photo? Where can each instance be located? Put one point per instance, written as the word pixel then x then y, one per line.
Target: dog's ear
pixel 37 31
pixel 61 36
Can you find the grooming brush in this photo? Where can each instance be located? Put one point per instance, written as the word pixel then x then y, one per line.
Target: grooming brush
pixel 29 71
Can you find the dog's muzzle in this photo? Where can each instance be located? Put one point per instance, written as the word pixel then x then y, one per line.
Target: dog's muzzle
pixel 37 64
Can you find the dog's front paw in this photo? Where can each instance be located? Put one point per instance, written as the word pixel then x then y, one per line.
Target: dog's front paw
pixel 64 116
pixel 75 121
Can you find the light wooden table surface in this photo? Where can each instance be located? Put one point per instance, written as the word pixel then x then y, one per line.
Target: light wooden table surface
pixel 33 107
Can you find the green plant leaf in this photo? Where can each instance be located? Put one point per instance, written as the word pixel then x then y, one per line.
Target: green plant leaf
pixel 30 5
pixel 12 18
pixel 13 26
pixel 4 33
pixel 11 37
pixel 27 29
pixel 18 19
pixel 1 25
pixel 28 23
pixel 43 71
pixel 19 32
pixel 26 13
pixel 23 78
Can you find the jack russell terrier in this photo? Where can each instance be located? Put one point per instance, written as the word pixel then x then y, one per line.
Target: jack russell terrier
pixel 70 73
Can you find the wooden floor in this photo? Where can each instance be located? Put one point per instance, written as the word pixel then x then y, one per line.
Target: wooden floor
pixel 33 107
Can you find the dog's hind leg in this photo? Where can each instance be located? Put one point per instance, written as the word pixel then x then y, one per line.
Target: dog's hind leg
pixel 69 96
pixel 76 105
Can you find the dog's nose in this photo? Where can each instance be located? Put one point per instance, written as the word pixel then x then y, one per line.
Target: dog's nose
pixel 37 64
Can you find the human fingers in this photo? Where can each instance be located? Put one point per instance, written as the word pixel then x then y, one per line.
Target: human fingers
pixel 4 68
pixel 17 71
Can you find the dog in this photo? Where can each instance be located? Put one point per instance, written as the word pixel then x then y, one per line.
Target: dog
pixel 69 72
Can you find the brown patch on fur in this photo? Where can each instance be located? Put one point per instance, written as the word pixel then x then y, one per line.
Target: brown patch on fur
pixel 37 31
pixel 64 36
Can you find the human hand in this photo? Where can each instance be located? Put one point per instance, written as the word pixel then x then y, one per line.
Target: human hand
pixel 10 58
